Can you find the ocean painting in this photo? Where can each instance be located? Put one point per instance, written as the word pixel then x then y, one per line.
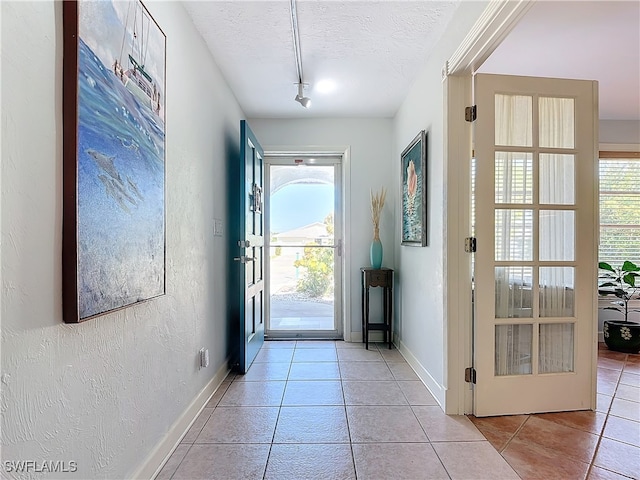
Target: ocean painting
pixel 413 175
pixel 120 156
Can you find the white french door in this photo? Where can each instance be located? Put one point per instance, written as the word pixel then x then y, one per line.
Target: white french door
pixel 536 227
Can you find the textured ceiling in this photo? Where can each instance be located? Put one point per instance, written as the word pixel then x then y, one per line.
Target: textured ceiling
pixel 373 49
pixel 370 50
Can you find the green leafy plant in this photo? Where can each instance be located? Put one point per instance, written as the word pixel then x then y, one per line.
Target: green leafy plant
pixel 620 282
pixel 318 276
pixel 317 279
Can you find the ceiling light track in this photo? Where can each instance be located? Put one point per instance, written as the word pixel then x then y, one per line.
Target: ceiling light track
pixel 300 98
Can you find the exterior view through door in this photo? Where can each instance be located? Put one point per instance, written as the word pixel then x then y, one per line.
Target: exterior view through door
pixel 304 247
pixel 536 269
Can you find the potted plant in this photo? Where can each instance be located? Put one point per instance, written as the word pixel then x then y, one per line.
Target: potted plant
pixel 621 336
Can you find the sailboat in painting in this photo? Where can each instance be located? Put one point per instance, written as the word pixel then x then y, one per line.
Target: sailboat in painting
pixel 134 77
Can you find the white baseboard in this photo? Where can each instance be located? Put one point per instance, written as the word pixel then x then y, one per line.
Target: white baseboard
pixel 163 450
pixel 434 387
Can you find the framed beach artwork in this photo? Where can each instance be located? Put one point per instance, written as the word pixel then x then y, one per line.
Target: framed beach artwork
pixel 413 175
pixel 113 252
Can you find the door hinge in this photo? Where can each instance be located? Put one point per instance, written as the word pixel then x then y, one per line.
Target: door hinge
pixel 470 244
pixel 470 375
pixel 470 113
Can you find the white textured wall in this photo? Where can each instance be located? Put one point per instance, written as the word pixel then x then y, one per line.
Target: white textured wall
pixel 105 392
pixel 421 276
pixel 371 167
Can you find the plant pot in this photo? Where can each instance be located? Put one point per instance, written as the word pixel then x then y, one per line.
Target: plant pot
pixel 622 336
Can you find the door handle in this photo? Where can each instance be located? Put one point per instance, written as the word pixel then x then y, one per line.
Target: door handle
pixel 244 259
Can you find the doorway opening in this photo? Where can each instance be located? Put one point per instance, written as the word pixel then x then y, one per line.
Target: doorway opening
pixel 304 246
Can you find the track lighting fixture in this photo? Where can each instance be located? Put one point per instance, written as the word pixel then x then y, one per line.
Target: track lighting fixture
pixel 301 99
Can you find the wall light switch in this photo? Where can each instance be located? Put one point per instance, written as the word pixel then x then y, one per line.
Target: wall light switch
pixel 217 227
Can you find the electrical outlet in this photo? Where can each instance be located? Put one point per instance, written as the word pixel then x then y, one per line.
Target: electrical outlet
pixel 204 357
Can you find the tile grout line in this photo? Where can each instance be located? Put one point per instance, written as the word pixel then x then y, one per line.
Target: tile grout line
pixel 275 427
pixel 514 435
pixel 606 420
pixel 346 416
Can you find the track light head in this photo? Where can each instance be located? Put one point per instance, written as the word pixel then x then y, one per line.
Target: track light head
pixel 301 99
pixel 304 101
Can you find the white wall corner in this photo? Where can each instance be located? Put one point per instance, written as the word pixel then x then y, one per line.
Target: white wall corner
pixel 159 455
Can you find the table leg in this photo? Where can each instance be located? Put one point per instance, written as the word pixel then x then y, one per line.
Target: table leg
pixel 390 317
pixel 362 303
pixel 366 321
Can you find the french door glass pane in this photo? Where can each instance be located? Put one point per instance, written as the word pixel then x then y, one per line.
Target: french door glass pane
pixel 514 296
pixel 513 349
pixel 514 234
pixel 557 235
pixel 514 120
pixel 514 177
pixel 557 291
pixel 555 348
pixel 557 122
pixel 557 179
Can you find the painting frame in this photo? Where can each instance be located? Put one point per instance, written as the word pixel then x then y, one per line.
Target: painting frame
pixel 113 159
pixel 413 189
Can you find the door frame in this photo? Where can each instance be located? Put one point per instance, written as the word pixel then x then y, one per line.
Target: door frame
pixel 495 23
pixel 323 160
pixel 344 205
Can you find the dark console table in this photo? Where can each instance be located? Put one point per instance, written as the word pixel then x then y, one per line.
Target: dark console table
pixel 383 278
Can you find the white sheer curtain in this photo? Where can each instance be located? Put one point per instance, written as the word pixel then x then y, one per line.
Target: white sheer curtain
pixel 556 348
pixel 514 236
pixel 514 349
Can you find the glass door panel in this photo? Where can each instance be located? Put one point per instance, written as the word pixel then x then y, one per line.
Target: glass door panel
pixel 513 349
pixel 557 179
pixel 303 240
pixel 556 353
pixel 514 120
pixel 514 177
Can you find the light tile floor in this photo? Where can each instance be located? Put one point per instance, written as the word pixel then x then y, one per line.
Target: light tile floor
pixel 330 410
pixel 333 410
pixel 600 445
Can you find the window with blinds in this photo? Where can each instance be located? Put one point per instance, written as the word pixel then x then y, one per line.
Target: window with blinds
pixel 619 207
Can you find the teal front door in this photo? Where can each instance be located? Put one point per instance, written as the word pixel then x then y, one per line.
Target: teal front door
pixel 247 243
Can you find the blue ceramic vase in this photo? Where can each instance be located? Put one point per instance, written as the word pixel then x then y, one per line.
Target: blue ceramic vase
pixel 376 254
